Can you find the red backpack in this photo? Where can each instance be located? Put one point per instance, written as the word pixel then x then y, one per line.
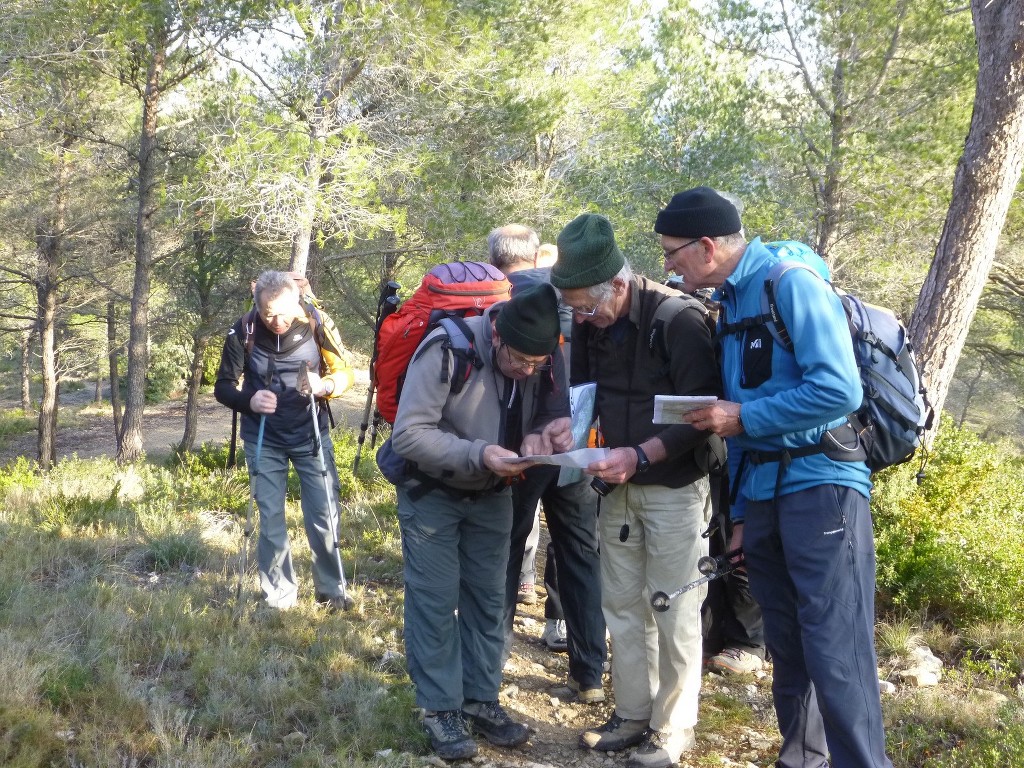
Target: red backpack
pixel 457 289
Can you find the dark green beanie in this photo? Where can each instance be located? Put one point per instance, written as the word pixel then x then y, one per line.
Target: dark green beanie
pixel 528 322
pixel 587 253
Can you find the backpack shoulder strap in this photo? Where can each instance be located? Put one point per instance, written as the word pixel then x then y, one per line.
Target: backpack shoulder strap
pixel 460 342
pixel 249 325
pixel 770 313
pixel 456 340
pixel 664 315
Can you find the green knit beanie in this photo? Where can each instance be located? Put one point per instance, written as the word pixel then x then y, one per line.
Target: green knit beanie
pixel 528 322
pixel 587 253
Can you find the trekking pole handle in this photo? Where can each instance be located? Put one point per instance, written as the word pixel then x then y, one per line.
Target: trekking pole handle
pixel 712 568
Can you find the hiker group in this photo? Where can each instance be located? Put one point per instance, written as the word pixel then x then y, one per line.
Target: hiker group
pixel 769 474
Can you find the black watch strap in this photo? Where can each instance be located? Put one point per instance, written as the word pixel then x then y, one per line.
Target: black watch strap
pixel 642 462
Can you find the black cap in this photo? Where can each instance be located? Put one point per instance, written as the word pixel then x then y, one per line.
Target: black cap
pixel 698 212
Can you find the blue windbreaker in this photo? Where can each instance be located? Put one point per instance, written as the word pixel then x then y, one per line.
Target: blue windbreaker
pixel 789 399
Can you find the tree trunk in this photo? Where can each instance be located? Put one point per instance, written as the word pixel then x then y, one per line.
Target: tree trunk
pixel 49 242
pixel 986 177
pixel 300 251
pixel 129 444
pixel 307 216
pixel 47 443
pixel 200 342
pixel 830 196
pixel 26 372
pixel 115 379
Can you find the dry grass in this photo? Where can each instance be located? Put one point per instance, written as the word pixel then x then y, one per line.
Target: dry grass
pixel 120 644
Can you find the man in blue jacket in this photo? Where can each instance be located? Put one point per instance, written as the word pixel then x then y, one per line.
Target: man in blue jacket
pixel 802 508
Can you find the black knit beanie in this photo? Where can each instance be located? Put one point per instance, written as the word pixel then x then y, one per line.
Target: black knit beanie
pixel 698 212
pixel 587 253
pixel 528 322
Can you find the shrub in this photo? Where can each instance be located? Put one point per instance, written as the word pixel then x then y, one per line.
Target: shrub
pixel 170 550
pixel 62 511
pixel 13 423
pixel 21 475
pixel 952 546
pixel 66 683
pixel 208 456
pixel 166 372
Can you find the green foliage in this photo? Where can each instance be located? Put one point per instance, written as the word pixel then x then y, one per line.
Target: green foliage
pixel 166 372
pixel 19 476
pixel 192 489
pixel 369 480
pixel 14 423
pixel 206 457
pixel 952 546
pixel 929 730
pixel 66 684
pixel 62 512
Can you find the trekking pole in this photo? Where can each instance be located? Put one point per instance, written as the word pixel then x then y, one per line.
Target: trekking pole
pixel 712 568
pixel 332 510
pixel 232 454
pixel 243 557
pixel 386 304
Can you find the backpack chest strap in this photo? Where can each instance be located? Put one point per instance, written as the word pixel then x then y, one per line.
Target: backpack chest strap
pixel 740 326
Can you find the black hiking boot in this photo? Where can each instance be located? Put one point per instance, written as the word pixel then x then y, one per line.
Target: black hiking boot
pixel 489 719
pixel 448 734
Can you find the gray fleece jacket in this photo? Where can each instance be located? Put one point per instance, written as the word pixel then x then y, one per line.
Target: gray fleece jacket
pixel 445 434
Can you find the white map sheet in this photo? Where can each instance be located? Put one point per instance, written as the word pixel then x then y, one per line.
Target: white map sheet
pixel 669 409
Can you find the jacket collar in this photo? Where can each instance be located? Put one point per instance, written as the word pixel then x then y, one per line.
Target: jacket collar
pixel 635 307
pixel 750 265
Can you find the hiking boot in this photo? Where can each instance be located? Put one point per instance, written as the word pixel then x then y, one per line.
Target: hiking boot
pixel 449 737
pixel 527 594
pixel 588 694
pixel 554 635
pixel 335 604
pixel 661 749
pixel 489 719
pixel 735 661
pixel 618 733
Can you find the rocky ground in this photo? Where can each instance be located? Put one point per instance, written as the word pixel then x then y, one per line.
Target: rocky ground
pixel 533 690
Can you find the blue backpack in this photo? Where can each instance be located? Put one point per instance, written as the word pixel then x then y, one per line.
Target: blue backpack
pixel 895 413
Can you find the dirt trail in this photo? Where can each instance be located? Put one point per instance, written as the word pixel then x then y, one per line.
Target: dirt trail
pixel 163 425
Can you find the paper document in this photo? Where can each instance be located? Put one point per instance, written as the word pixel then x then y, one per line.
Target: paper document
pixel 578 459
pixel 582 400
pixel 669 409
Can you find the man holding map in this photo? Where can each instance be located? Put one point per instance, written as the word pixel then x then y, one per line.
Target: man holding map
pixel 637 339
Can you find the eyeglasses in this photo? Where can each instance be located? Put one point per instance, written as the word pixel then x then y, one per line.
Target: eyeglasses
pixel 520 363
pixel 588 311
pixel 668 254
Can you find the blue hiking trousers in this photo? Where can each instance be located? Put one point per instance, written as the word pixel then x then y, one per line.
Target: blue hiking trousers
pixel 811 560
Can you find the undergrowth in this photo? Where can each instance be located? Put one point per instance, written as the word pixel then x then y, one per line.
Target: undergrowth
pixel 122 642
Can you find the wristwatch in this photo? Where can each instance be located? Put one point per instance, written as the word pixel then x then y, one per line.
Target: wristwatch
pixel 642 462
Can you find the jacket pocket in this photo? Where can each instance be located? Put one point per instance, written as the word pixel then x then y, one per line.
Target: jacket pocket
pixel 757 357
